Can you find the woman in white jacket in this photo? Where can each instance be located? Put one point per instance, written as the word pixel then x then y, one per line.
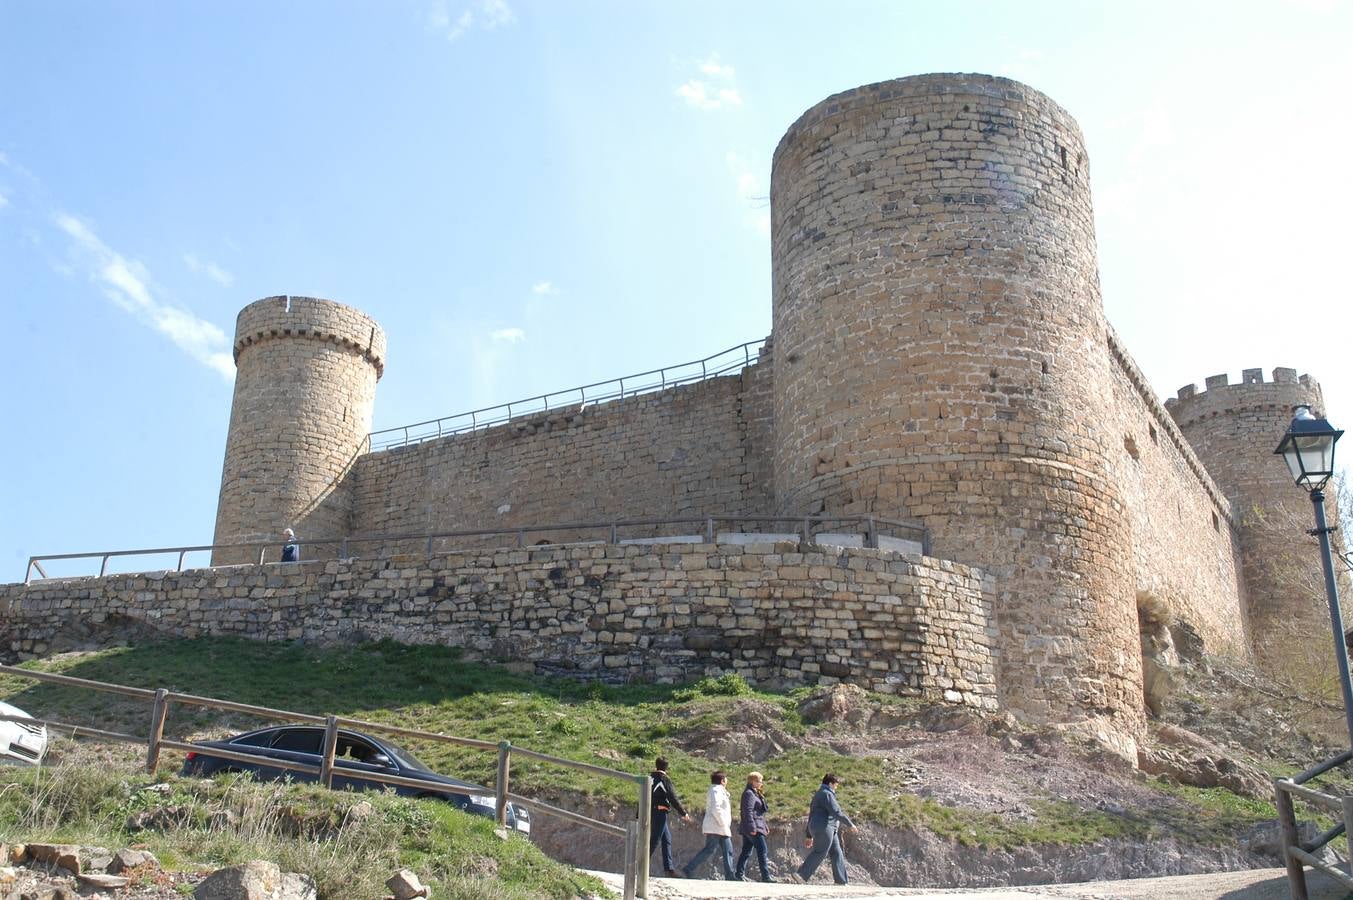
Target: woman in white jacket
pixel 718 827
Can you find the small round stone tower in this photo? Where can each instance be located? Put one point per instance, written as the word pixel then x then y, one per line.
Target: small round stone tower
pixel 305 383
pixel 1234 429
pixel 941 353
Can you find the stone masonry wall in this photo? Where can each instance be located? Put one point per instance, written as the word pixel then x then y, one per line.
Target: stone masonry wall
pixel 1235 428
pixel 695 450
pixel 1184 542
pixel 938 341
pixel 778 614
pixel 305 386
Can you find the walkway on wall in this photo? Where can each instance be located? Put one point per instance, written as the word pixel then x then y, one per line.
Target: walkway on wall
pixel 730 360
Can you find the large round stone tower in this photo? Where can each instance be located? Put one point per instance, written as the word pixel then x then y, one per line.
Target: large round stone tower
pixel 1234 429
pixel 940 353
pixel 305 382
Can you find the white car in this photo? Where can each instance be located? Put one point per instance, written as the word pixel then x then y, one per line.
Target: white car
pixel 19 741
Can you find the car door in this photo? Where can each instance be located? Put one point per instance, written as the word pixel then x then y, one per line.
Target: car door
pixel 355 759
pixel 299 744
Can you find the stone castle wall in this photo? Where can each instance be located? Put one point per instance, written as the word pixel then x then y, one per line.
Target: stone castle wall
pixel 692 451
pixel 1229 425
pixel 939 354
pixel 305 386
pixel 778 614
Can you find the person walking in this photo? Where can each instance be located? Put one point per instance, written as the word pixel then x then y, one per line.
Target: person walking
pixel 753 828
pixel 291 551
pixel 665 799
pixel 718 827
pixel 825 819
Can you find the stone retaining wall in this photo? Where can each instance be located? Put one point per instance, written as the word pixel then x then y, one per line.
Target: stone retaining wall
pixel 778 614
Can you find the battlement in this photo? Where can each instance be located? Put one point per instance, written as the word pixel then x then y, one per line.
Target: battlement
pixel 1252 392
pixel 314 318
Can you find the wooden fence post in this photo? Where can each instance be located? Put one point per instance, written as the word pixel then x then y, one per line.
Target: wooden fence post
pixel 631 858
pixel 1287 818
pixel 645 832
pixel 157 716
pixel 326 766
pixel 500 789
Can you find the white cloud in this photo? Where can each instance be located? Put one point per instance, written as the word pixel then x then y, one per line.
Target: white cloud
pixel 128 284
pixel 508 335
pixel 209 269
pixel 715 90
pixel 485 15
pixel 752 192
pixel 544 287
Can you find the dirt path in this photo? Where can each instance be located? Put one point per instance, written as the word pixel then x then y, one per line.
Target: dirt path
pixel 1252 884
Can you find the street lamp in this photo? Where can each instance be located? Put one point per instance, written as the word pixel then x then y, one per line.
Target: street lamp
pixel 1308 448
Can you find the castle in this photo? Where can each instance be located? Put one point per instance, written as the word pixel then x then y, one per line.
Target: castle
pixel 939 353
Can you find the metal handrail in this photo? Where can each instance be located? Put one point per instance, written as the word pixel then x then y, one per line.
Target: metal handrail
pixel 720 363
pixel 804 528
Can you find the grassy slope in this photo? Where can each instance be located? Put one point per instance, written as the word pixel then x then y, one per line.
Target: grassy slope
pixel 619 727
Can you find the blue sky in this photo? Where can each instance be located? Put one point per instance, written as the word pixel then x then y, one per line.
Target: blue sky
pixel 529 196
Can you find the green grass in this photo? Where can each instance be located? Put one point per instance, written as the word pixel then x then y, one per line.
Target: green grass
pixel 434 689
pixel 302 828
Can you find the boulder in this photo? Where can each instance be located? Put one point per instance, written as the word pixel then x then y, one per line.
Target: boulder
pixel 255 880
pixel 101 882
pixel 840 703
pixel 1206 770
pixel 405 885
pixel 67 856
pixel 130 859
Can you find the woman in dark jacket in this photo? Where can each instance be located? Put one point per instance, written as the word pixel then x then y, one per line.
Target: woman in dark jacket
pixel 753 828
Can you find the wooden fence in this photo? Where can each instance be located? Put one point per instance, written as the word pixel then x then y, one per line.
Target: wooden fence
pixel 1296 854
pixel 635 833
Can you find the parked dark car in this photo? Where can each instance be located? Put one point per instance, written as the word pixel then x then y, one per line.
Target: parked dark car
pixel 356 756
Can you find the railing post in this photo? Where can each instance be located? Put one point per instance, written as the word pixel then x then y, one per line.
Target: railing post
pixel 343 549
pixel 28 572
pixel 645 830
pixel 261 551
pixel 500 788
pixel 1348 818
pixel 871 538
pixel 631 858
pixel 1287 819
pixel 521 537
pixel 103 566
pixel 326 765
pixel 807 530
pixel 157 715
pixel 709 530
pixel 615 537
pixel 182 553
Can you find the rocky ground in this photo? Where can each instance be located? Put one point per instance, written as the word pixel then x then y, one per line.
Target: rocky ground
pixel 1220 727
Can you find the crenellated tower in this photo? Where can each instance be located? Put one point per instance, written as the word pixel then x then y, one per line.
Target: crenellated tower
pixel 305 384
pixel 940 351
pixel 1234 429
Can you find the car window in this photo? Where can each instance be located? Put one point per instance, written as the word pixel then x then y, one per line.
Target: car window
pixel 299 740
pixel 262 739
pixel 349 747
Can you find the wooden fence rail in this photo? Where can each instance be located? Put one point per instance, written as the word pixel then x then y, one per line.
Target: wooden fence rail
pixel 1298 855
pixel 635 833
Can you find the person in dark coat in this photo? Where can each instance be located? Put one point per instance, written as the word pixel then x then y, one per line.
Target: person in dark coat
pixel 754 828
pixel 664 801
pixel 825 819
pixel 291 551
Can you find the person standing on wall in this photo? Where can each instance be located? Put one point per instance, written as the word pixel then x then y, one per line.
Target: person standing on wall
pixel 664 800
pixel 291 551
pixel 825 819
pixel 753 828
pixel 718 827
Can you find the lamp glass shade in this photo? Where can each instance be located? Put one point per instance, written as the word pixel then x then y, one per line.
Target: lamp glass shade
pixel 1308 449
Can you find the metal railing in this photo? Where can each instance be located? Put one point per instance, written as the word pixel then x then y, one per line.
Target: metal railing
pixel 1298 854
pixel 869 529
pixel 635 832
pixel 738 357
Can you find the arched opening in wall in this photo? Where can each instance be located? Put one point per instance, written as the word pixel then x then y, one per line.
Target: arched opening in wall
pixel 1160 660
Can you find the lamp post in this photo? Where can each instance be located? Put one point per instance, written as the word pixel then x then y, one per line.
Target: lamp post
pixel 1308 448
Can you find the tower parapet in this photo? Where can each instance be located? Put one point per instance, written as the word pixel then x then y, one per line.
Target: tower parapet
pixel 305 385
pixel 940 351
pixel 1234 428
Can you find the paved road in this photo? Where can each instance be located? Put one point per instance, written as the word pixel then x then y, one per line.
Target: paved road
pixel 1254 884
